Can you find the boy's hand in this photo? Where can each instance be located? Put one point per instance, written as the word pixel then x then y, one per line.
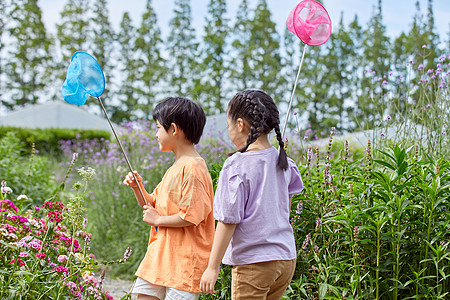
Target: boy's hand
pixel 208 280
pixel 150 215
pixel 130 181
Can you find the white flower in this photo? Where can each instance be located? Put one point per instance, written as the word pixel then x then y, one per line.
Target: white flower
pixel 22 197
pixel 6 190
pixel 87 174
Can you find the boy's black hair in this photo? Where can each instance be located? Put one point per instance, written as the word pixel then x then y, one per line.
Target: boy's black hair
pixel 187 114
pixel 261 112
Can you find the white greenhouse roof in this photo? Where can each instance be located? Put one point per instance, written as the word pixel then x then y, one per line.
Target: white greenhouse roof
pixel 56 114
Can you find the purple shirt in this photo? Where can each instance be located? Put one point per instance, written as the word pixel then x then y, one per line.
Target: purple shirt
pixel 253 192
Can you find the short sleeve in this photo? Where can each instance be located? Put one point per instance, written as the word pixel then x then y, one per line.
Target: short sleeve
pixel 196 199
pixel 295 184
pixel 154 195
pixel 230 198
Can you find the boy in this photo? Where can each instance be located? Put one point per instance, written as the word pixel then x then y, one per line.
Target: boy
pixel 180 208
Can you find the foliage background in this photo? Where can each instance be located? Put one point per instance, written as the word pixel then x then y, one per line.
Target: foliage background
pixel 232 53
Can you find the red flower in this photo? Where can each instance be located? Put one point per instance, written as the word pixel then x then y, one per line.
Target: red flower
pixel 19 261
pixel 55 216
pixel 59 269
pixel 40 255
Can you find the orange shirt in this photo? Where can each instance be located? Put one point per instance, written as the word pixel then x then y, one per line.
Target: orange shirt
pixel 177 257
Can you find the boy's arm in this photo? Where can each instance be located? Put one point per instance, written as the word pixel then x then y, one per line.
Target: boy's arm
pixel 147 196
pixel 131 182
pixel 152 217
pixel 222 238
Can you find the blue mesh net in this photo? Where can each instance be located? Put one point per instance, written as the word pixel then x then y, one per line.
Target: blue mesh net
pixel 84 77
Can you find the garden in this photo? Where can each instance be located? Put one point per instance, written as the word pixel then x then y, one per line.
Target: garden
pixel 372 222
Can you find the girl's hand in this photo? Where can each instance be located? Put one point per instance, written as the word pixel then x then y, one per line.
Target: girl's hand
pixel 130 181
pixel 150 215
pixel 208 280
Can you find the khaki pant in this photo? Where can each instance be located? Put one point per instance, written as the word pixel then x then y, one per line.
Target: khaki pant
pixel 261 281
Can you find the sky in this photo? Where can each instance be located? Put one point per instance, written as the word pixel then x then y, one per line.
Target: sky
pixel 397 14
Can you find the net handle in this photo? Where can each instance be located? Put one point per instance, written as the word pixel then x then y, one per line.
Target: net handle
pixel 123 151
pixel 293 91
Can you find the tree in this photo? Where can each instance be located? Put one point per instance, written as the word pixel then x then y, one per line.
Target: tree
pixel 182 49
pixel 3 21
pixel 264 46
pixel 73 30
pixel 376 55
pixel 240 71
pixel 28 54
pixel 149 63
pixel 341 53
pixel 419 35
pixel 103 41
pixel 214 65
pixel 291 60
pixel 127 107
pixel 72 34
pixel 314 90
pixel 356 34
pixel 448 39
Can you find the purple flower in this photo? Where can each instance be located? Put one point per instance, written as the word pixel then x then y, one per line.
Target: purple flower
pixel 318 223
pixel 300 207
pixel 420 68
pixel 388 117
pixel 126 255
pixel 306 241
pixel 424 46
pixel 382 134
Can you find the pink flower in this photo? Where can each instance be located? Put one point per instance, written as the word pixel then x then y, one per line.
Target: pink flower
pixel 62 258
pixel 90 279
pixel 7 204
pixel 40 255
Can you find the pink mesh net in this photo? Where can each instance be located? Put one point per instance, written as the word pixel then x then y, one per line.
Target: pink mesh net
pixel 310 22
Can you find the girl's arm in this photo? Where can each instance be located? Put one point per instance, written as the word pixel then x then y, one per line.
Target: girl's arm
pixel 222 238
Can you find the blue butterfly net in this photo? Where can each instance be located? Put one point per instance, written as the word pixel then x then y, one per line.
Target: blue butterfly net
pixel 84 77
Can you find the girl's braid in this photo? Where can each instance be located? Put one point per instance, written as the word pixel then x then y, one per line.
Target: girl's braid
pixel 274 122
pixel 256 120
pixel 261 112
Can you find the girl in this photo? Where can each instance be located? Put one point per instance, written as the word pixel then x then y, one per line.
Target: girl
pixel 252 204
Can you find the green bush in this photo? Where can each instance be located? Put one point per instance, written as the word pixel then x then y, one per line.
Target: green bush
pixel 372 228
pixel 47 140
pixel 45 251
pixel 27 172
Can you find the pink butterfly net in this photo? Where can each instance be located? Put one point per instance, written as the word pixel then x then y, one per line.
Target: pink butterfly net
pixel 310 22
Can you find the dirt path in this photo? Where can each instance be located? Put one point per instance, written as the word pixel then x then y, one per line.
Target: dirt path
pixel 117 288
